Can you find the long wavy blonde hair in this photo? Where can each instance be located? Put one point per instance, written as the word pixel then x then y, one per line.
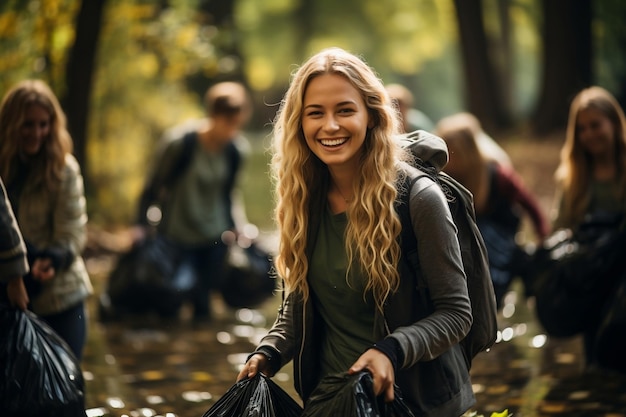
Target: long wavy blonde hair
pixel 574 171
pixel 46 167
pixel 373 225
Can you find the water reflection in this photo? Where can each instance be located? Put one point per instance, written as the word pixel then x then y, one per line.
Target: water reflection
pixel 146 366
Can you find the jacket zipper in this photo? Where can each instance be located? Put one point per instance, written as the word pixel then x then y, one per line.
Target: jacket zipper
pixel 304 330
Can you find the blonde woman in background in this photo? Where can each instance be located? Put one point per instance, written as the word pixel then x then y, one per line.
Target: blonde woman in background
pixel 591 189
pixel 592 173
pixel 45 188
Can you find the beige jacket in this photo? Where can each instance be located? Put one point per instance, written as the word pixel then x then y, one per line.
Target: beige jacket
pixel 58 220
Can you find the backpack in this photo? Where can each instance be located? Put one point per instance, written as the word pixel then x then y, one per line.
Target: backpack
pixel 155 192
pixel 431 155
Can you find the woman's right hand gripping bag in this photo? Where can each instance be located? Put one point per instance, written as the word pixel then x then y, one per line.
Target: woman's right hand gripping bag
pixel 342 395
pixel 40 375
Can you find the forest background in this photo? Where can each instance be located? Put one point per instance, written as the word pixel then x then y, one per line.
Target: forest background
pixel 126 70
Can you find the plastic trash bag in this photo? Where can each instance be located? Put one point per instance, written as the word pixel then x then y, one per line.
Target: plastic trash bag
pixel 255 397
pixel 249 277
pixel 576 273
pixel 147 278
pixel 352 396
pixel 40 374
pixel 610 340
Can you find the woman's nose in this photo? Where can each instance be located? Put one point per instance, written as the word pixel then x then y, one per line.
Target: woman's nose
pixel 331 123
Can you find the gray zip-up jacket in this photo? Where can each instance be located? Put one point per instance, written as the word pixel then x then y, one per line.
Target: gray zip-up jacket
pixel 13 262
pixel 434 376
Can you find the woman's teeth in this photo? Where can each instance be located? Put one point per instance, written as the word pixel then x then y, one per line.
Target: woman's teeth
pixel 333 142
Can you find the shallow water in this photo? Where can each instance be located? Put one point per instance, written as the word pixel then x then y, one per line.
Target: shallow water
pixel 148 366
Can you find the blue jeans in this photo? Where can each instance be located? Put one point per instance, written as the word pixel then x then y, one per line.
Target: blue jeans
pixel 205 266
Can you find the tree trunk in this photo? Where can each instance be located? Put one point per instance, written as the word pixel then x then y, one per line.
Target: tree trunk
pixel 567 60
pixel 79 77
pixel 483 93
pixel 220 14
pixel 504 44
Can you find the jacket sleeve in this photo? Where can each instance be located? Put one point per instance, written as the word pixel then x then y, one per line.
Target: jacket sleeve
pixel 13 262
pixel 69 217
pixel 441 266
pixel 280 338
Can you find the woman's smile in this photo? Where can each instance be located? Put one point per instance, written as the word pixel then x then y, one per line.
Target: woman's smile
pixel 334 142
pixel 335 120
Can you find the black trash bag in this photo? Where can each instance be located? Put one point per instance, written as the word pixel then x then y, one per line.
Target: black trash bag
pixel 255 397
pixel 575 274
pixel 145 279
pixel 249 277
pixel 344 395
pixel 40 374
pixel 610 340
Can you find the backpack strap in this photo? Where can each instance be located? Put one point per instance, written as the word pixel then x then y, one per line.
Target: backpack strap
pixel 184 158
pixel 483 332
pixel 408 240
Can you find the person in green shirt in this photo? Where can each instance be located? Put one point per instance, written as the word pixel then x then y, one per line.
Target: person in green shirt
pixel 338 165
pixel 192 181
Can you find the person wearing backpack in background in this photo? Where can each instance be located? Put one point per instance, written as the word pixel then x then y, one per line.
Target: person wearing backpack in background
pixel 500 200
pixel 348 306
pixel 193 181
pixel 591 181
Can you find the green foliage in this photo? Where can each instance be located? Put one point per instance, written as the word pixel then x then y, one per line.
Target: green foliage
pixel 145 55
pixel 34 39
pixel 610 35
pixel 255 185
pixel 149 51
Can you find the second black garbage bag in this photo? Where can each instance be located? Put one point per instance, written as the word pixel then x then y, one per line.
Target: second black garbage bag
pixel 255 397
pixel 342 395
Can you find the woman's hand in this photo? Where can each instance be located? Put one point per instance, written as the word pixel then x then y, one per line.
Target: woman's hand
pixel 42 269
pixel 381 368
pixel 257 363
pixel 16 292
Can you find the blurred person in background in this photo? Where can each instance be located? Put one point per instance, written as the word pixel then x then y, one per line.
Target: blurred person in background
pixel 591 184
pixel 500 200
pixel 489 148
pixel 193 181
pixel 412 118
pixel 591 175
pixel 45 187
